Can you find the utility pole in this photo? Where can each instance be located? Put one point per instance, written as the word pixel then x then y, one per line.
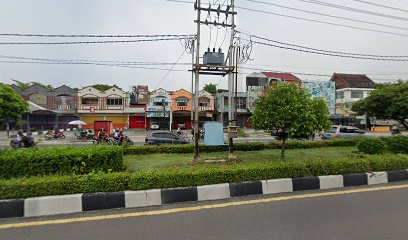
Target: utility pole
pixel 197 76
pixel 213 63
pixel 231 117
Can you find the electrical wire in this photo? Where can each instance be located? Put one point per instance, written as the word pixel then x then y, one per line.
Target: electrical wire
pixel 89 42
pixel 329 15
pixel 93 36
pixel 329 51
pixel 380 5
pixel 164 77
pixel 322 22
pixel 357 10
pixel 330 54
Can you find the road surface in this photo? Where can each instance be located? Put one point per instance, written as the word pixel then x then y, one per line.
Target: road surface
pixel 378 214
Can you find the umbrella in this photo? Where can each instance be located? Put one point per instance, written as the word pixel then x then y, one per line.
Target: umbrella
pixel 77 122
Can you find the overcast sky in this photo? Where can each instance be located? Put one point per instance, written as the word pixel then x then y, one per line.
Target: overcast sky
pixel 163 17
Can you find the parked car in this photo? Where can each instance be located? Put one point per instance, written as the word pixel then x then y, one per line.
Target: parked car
pixel 278 135
pixel 164 137
pixel 154 126
pixel 338 131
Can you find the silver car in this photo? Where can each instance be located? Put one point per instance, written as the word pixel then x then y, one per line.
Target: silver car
pixel 339 131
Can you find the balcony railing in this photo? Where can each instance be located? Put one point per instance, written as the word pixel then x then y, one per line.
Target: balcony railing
pixel 202 108
pixel 182 108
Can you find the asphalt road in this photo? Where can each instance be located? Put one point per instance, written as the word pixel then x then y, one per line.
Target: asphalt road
pixel 371 215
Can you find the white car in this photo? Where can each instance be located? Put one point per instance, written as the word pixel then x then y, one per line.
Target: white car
pixel 154 126
pixel 339 131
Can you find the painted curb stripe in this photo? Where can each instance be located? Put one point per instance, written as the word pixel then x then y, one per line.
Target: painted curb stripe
pixel 245 188
pixel 174 195
pixel 397 175
pixel 197 208
pixel 12 208
pixel 305 183
pixel 355 179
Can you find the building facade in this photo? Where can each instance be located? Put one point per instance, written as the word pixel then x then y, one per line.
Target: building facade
pixel 181 105
pixel 138 98
pixel 258 82
pixel 95 105
pixel 51 107
pixel 350 88
pixel 205 106
pixel 159 108
pixel 242 113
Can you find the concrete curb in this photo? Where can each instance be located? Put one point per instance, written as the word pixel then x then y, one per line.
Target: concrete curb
pixel 73 203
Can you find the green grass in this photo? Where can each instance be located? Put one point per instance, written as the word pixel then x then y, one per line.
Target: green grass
pixel 168 162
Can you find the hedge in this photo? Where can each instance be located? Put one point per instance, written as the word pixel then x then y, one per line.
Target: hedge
pixel 397 144
pixel 248 146
pixel 119 181
pixel 32 162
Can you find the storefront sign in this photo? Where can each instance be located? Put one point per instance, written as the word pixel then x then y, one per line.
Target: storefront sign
pixel 157 114
pixel 154 108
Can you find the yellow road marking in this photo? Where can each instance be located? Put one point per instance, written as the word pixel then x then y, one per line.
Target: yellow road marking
pixel 196 208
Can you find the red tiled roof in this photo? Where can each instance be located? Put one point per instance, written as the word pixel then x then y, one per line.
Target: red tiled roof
pixel 286 76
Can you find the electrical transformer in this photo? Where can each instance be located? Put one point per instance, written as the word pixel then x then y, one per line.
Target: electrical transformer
pixel 213 58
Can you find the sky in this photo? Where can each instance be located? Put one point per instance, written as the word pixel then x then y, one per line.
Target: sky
pixel 153 17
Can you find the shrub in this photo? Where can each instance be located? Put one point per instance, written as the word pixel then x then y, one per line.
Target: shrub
pixel 119 181
pixel 31 162
pixel 398 144
pixel 371 146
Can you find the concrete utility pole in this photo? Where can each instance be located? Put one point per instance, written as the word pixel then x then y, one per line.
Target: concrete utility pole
pixel 197 76
pixel 213 64
pixel 231 116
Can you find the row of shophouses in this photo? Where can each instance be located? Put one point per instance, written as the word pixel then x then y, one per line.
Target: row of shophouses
pixel 139 107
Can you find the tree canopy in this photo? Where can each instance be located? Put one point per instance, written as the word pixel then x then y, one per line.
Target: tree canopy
pixel 24 85
pixel 12 105
pixel 103 87
pixel 211 88
pixel 387 101
pixel 291 110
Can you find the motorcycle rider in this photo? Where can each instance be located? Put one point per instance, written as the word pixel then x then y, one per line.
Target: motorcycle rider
pixel 19 138
pixel 56 132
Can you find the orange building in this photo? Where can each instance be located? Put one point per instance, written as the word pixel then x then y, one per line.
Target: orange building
pixel 181 105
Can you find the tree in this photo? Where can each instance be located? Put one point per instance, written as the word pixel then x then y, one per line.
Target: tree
pixel 24 86
pixel 12 105
pixel 286 108
pixel 103 87
pixel 211 88
pixel 386 101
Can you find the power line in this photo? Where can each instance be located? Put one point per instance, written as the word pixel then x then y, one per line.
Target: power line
pixel 328 15
pixel 93 36
pixel 331 5
pixel 328 54
pixel 323 22
pixel 92 61
pixel 164 77
pixel 329 51
pixel 380 5
pixel 89 42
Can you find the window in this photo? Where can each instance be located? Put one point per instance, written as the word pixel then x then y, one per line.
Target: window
pixel 339 95
pixel 204 102
pixel 356 94
pixel 114 101
pixel 182 102
pixel 90 101
pixel 241 103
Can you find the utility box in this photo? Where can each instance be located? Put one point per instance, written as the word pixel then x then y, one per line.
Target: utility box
pixel 105 124
pixel 232 131
pixel 214 134
pixel 213 58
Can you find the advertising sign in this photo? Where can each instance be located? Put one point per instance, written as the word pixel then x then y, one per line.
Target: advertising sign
pixel 156 114
pixel 154 108
pixel 323 89
pixel 344 108
pixel 138 94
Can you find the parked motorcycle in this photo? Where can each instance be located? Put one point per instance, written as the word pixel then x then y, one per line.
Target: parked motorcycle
pixel 50 135
pixel 25 143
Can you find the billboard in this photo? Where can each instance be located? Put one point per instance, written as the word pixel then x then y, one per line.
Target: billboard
pixel 323 89
pixel 344 108
pixel 138 94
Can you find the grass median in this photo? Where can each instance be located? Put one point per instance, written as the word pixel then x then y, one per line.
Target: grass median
pixel 173 162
